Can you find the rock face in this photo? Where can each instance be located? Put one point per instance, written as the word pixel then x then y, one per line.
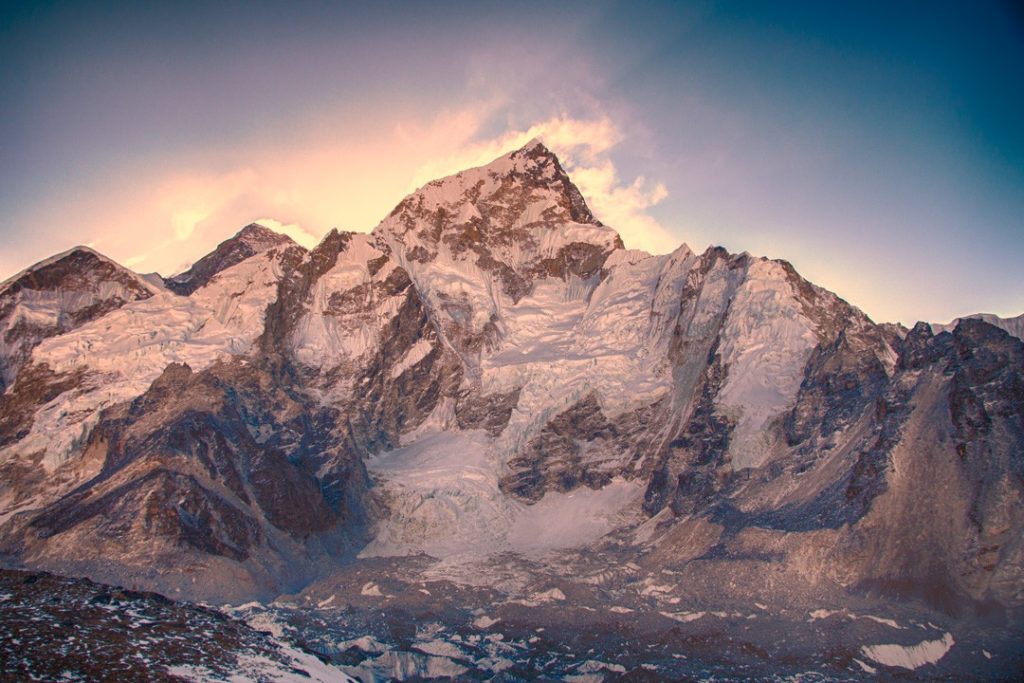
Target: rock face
pixel 491 360
pixel 213 468
pixel 59 396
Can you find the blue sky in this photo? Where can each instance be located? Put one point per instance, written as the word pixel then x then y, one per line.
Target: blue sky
pixel 877 146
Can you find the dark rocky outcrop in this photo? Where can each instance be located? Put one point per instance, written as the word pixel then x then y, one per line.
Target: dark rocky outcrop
pixel 580 447
pixel 57 628
pixel 490 412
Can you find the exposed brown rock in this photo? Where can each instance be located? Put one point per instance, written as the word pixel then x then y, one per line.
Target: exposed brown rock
pixel 579 447
pixel 490 412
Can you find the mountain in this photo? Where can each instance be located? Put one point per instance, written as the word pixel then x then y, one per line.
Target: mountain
pixel 56 296
pixel 489 380
pixel 249 241
pixel 1014 326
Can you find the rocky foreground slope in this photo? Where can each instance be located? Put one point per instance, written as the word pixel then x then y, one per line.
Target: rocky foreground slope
pixel 57 629
pixel 490 373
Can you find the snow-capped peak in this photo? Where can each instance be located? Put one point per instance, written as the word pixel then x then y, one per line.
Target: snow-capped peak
pixel 505 217
pixel 251 240
pixel 81 252
pixel 57 295
pixel 260 237
pixel 480 241
pixel 534 142
pixel 519 189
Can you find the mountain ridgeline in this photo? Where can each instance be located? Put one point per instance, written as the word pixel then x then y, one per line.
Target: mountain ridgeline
pixel 490 364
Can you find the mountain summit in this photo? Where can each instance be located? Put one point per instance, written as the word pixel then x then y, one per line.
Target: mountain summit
pixel 489 378
pixel 57 295
pixel 250 240
pixel 518 218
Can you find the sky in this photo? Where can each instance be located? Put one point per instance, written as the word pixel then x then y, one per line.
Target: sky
pixel 876 146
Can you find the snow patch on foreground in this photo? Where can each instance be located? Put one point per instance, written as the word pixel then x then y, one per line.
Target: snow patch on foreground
pixel 399 666
pixel 484 621
pixel 910 656
pixel 300 667
pixel 826 613
pixel 371 589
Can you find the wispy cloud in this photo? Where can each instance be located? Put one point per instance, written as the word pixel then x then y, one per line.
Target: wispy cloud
pixel 185 221
pixel 624 206
pixel 135 259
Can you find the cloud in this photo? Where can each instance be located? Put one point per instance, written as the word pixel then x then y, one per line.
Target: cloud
pixel 624 206
pixel 185 221
pixel 135 259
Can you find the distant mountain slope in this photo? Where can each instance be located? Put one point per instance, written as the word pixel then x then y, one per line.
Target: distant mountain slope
pixel 1014 326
